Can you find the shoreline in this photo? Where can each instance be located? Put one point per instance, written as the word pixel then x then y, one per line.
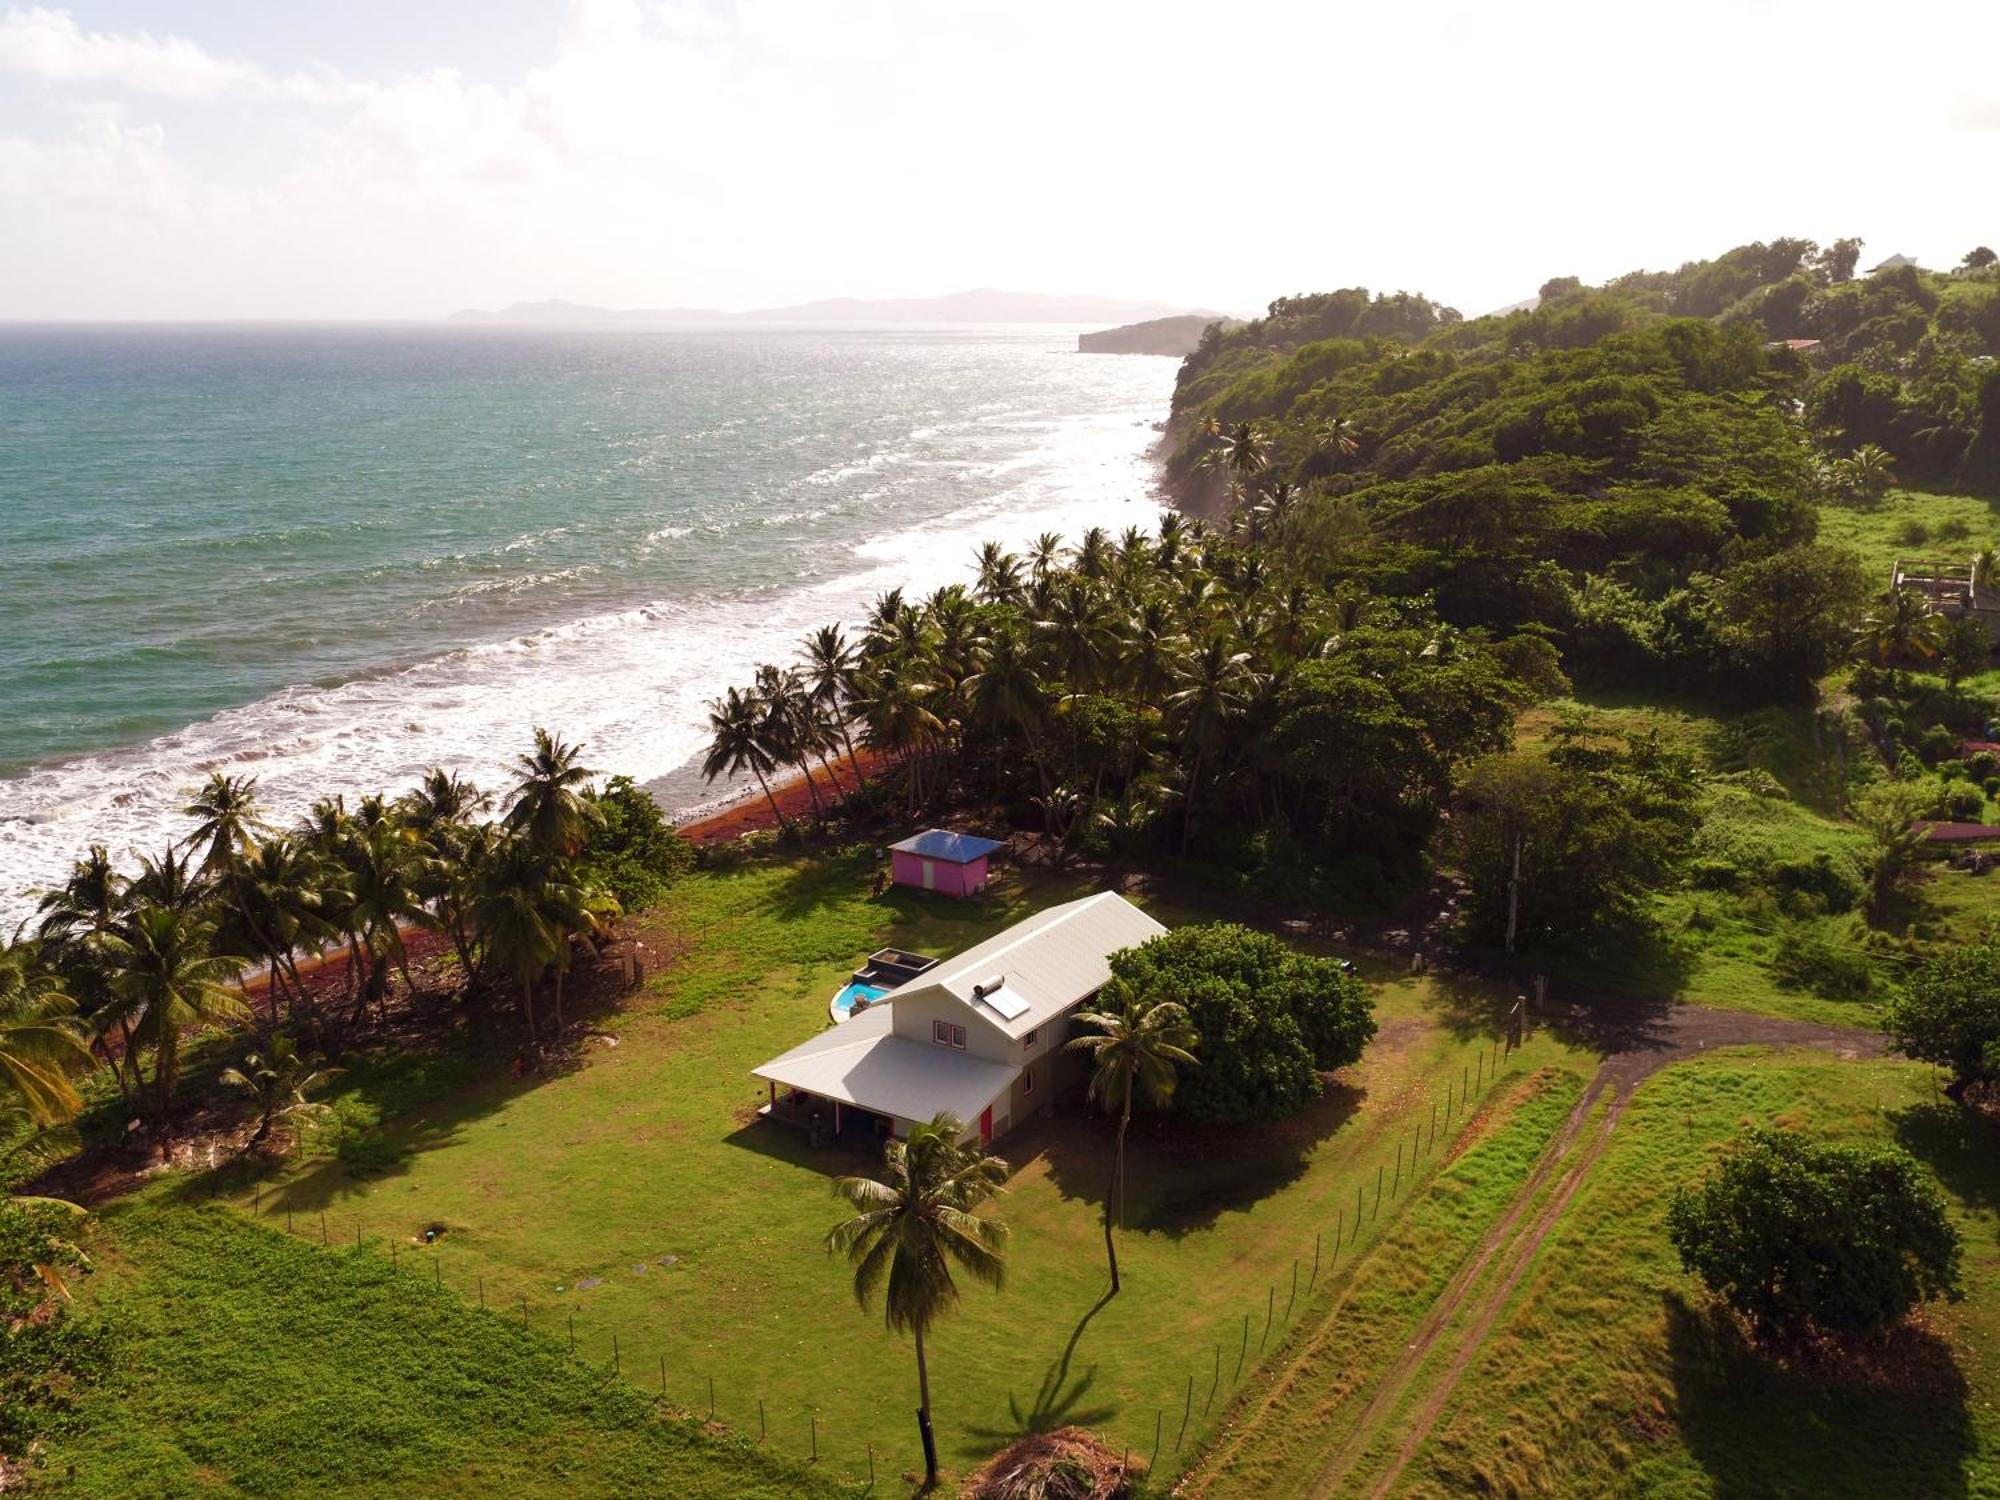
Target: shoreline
pixel 748 810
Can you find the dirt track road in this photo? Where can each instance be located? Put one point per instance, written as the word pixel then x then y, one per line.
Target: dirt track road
pixel 1636 1046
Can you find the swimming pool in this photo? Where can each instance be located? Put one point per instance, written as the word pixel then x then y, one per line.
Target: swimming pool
pixel 842 1004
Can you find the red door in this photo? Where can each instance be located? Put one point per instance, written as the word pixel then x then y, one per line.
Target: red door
pixel 986 1126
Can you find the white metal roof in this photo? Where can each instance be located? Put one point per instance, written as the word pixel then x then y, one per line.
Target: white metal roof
pixel 1045 964
pixel 862 1061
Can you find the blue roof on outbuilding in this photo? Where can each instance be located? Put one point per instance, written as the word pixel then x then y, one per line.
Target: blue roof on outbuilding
pixel 942 843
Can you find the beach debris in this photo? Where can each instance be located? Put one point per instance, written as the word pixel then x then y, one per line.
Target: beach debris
pixel 669 1260
pixel 586 1283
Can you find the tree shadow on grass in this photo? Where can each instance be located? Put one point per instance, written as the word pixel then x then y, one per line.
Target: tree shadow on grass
pixel 1959 1144
pixel 1181 1177
pixel 1761 1425
pixel 1058 1400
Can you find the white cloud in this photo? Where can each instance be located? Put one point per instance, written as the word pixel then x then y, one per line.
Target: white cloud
pixel 48 44
pixel 746 152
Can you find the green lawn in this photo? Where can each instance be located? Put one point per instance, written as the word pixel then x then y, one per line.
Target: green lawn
pixel 251 1364
pixel 1609 1374
pixel 574 1192
pixel 1912 524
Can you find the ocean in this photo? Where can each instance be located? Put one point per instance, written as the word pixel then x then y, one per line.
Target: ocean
pixel 333 557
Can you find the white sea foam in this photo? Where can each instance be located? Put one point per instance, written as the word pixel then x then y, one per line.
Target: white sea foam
pixel 630 684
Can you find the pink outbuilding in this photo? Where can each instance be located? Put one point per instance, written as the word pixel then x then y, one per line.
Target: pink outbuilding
pixel 937 859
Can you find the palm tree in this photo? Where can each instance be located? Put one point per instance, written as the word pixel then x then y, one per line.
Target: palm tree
pixel 1868 472
pixel 1135 1048
pixel 513 921
pixel 999 575
pixel 227 809
pixel 39 1044
pixel 1217 678
pixel 829 663
pixel 548 803
pixel 165 978
pixel 909 1233
pixel 736 741
pixel 1240 451
pixel 1902 629
pixel 280 1083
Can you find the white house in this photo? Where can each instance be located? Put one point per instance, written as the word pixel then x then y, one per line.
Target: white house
pixel 980 1036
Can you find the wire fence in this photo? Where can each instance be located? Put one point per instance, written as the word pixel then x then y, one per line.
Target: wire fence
pixel 694 1395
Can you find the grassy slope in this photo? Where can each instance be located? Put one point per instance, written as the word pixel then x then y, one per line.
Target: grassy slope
pixel 1915 525
pixel 1608 1376
pixel 1306 1410
pixel 648 1150
pixel 254 1364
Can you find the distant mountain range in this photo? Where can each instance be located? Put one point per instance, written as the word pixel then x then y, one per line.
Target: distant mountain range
pixel 983 306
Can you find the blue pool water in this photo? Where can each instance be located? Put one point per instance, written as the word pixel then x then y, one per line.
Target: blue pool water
pixel 843 1003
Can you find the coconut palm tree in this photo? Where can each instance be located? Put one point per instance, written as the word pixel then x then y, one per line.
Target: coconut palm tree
pixel 548 803
pixel 226 810
pixel 514 921
pixel 1044 553
pixel 829 662
pixel 911 1232
pixel 1135 1047
pixel 279 1083
pixel 1901 630
pixel 1217 680
pixel 736 742
pixel 165 979
pixel 999 575
pixel 40 1045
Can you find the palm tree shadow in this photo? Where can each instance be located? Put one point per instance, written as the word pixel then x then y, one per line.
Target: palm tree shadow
pixel 1058 1400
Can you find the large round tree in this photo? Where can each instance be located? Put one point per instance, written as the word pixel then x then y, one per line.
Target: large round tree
pixel 1268 1020
pixel 1800 1235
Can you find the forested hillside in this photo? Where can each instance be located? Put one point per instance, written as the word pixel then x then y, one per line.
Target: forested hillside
pixel 1631 469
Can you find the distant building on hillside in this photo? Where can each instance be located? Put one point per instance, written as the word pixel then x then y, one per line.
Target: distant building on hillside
pixel 1797 346
pixel 1953 590
pixel 1894 263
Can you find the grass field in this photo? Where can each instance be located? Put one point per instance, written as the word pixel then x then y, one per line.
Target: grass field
pixel 1912 524
pixel 252 1364
pixel 574 1192
pixel 1609 1373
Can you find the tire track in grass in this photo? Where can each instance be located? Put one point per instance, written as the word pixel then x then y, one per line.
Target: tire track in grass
pixel 1395 1382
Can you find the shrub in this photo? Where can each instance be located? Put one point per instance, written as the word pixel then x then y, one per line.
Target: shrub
pixel 633 853
pixel 1912 532
pixel 1949 1012
pixel 1269 1019
pixel 1830 966
pixel 1962 804
pixel 1834 881
pixel 46 1357
pixel 1798 1235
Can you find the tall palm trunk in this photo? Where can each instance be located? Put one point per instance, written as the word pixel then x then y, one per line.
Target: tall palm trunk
pixel 558 1001
pixel 924 1412
pixel 1114 1200
pixel 528 1007
pixel 776 811
pixel 1194 785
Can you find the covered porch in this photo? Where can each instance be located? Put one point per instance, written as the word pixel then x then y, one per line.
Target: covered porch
pixel 863 1069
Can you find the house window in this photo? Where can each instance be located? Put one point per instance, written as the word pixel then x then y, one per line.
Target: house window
pixel 945 1034
pixel 1031 1038
pixel 1027 1080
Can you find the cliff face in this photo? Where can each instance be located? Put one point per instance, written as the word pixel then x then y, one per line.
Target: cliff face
pixel 1171 336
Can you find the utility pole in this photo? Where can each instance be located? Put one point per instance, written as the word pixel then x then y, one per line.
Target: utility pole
pixel 1514 893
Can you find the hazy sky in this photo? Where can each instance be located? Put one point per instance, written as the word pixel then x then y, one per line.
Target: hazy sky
pixel 402 158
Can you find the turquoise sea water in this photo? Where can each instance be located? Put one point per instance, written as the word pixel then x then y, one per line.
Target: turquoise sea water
pixel 335 556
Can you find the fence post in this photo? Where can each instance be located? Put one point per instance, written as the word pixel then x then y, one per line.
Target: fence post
pixel 1270 1307
pixel 1378 1192
pixel 1216 1384
pixel 1240 1353
pixel 1399 1170
pixel 1339 1224
pixel 871 1466
pixel 322 1228
pixel 1186 1412
pixel 437 1265
pixel 614 1353
pixel 482 1294
pixel 1159 1415
pixel 663 1377
pixel 1293 1300
pixel 711 1398
pixel 1314 1281
pixel 1482 1070
pixel 524 1310
pixel 760 1419
pixel 392 1256
pixel 814 1418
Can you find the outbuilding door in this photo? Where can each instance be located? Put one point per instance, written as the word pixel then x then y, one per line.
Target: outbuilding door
pixel 985 1120
pixel 930 874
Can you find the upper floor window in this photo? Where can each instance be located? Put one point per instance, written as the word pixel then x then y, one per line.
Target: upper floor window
pixel 1032 1037
pixel 945 1034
